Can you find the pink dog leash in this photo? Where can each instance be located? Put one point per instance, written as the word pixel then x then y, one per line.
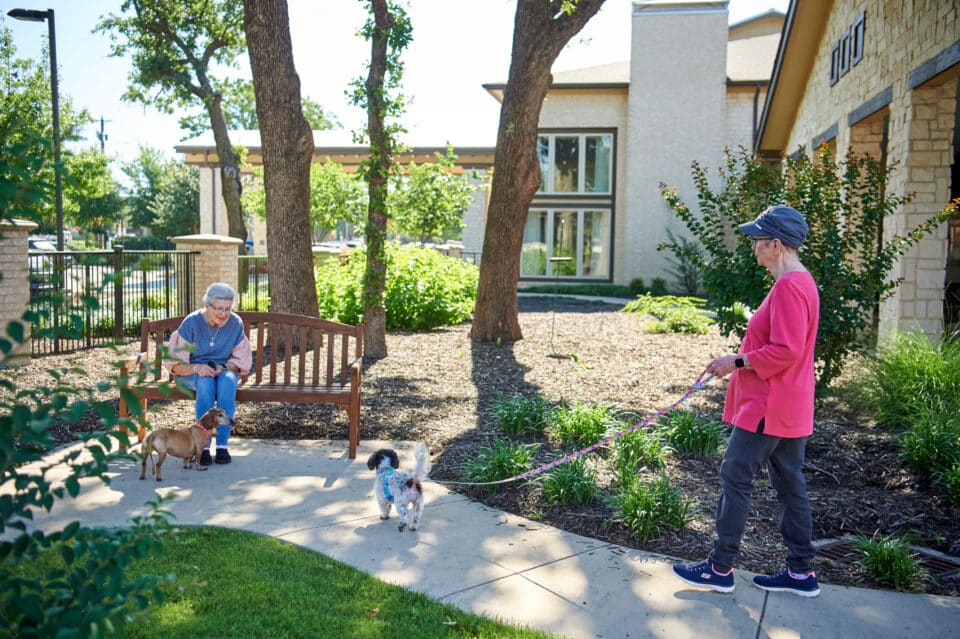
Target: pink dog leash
pixel 697 385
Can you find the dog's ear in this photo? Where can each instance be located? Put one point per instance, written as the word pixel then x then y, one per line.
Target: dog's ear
pixel 209 419
pixel 394 460
pixel 374 461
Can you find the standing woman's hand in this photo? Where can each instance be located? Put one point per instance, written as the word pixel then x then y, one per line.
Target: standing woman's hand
pixel 723 366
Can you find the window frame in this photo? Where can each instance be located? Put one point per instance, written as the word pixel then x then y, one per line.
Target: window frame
pixel 548 177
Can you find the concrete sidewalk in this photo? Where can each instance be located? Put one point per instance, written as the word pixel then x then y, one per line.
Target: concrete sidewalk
pixel 484 560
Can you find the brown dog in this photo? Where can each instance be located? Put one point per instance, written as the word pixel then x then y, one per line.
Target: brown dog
pixel 185 443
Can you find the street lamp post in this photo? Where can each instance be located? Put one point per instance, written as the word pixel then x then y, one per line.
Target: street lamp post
pixel 35 15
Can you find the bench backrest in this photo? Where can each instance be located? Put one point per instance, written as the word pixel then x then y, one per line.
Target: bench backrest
pixel 288 350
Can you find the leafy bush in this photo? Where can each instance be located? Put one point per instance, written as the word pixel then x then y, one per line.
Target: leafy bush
pixel 688 432
pixel 908 377
pixel 844 204
pixel 498 460
pixel 647 508
pixel 890 561
pixel 675 314
pixel 90 592
pixel 949 479
pixel 593 290
pixel 635 450
pixel 570 481
pixel 685 264
pixel 424 289
pixel 518 415
pixel 581 423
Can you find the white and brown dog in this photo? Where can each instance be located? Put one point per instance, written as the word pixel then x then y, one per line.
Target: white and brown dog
pixel 401 488
pixel 186 443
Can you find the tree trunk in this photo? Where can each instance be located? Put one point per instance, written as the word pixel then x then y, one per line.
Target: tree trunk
pixel 230 185
pixel 540 32
pixel 287 143
pixel 381 158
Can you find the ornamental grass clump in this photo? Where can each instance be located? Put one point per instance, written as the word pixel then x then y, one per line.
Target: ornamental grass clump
pixel 648 508
pixel 519 415
pixel 570 482
pixel 582 424
pixel 693 434
pixel 636 450
pixel 890 561
pixel 498 460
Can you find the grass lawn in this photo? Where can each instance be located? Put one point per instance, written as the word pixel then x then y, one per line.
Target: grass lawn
pixel 236 584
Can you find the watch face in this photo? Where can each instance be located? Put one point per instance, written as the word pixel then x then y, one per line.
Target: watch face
pixel 738 362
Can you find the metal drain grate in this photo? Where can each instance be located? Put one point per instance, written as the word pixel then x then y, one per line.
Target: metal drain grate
pixel 843 552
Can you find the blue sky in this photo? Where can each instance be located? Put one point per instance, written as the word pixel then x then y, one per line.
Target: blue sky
pixel 458 45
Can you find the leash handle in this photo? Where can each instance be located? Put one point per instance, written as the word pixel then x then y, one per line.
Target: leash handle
pixel 702 380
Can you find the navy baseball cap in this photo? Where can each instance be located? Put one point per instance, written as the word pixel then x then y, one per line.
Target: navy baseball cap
pixel 781 222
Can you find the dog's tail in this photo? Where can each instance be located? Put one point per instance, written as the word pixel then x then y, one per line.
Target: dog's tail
pixel 423 464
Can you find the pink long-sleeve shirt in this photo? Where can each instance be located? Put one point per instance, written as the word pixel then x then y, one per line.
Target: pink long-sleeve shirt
pixel 779 386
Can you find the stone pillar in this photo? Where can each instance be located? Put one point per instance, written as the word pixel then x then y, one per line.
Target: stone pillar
pixel 15 284
pixel 217 261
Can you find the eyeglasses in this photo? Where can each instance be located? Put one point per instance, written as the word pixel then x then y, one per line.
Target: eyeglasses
pixel 221 311
pixel 755 240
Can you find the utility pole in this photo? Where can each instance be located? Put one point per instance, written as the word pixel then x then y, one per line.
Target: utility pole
pixel 101 135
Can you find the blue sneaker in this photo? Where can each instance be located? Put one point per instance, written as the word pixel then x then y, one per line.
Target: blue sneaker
pixel 703 575
pixel 786 582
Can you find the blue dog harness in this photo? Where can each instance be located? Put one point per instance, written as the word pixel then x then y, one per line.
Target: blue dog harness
pixel 386 484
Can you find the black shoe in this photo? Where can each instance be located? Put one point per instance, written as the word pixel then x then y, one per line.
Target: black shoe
pixel 205 459
pixel 223 457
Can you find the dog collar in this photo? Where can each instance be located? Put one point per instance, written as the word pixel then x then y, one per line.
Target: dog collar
pixel 386 484
pixel 200 425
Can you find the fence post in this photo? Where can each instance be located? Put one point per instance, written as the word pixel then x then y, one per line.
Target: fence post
pixel 118 277
pixel 14 296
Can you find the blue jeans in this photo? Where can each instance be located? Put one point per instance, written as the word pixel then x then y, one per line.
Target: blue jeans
pixel 218 391
pixel 746 453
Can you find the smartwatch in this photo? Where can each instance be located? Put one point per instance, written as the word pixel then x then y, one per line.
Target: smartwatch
pixel 738 362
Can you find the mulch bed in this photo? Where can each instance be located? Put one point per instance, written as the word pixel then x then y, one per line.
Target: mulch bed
pixel 439 387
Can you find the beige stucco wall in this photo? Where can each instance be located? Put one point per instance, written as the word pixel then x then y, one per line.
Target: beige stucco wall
pixel 900 35
pixel 676 111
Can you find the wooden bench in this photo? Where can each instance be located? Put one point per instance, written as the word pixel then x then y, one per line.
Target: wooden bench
pixel 296 359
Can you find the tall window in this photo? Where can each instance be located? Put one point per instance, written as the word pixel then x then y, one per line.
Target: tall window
pixel 575 163
pixel 566 243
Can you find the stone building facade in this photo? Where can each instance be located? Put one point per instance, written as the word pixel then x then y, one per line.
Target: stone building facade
pixel 879 77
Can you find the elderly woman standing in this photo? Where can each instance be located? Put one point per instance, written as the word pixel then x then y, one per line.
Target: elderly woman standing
pixel 208 353
pixel 770 400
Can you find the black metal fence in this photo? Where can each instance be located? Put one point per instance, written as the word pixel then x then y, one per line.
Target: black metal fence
pixel 82 299
pixel 253 292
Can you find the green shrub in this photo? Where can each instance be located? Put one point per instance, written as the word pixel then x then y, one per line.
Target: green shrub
pixel 890 561
pixel 688 432
pixel 570 481
pixel 498 460
pixel 675 314
pixel 635 450
pixel 518 415
pixel 647 508
pixel 845 204
pixel 908 377
pixel 581 423
pixel 932 444
pixel 593 290
pixel 424 289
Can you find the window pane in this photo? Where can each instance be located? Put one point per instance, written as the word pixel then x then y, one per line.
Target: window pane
pixel 564 243
pixel 533 256
pixel 596 243
pixel 543 152
pixel 566 164
pixel 597 164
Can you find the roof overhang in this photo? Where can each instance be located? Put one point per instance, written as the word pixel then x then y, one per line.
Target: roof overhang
pixel 799 43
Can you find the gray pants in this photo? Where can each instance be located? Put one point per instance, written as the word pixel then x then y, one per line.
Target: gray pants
pixel 746 453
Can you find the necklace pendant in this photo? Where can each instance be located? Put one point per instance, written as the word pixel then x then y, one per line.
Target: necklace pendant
pixel 211 342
